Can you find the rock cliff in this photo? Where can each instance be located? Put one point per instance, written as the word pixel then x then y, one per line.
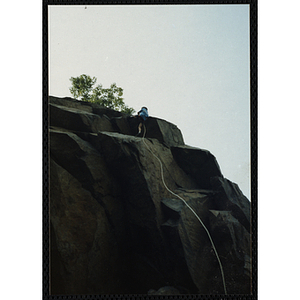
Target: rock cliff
pixel 115 229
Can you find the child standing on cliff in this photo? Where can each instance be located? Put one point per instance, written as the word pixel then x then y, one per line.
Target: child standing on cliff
pixel 142 115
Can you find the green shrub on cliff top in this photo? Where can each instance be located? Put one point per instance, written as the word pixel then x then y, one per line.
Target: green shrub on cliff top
pixel 82 89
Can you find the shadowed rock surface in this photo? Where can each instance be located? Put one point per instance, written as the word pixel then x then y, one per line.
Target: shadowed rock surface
pixel 114 227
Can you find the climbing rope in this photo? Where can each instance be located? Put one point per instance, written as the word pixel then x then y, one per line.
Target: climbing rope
pixel 191 209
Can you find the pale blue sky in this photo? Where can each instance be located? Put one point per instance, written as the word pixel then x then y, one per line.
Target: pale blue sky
pixel 189 64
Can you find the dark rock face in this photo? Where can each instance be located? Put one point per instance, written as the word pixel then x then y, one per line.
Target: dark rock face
pixel 198 163
pixel 115 229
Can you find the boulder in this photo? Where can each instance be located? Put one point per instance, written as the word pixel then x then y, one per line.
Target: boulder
pixel 165 132
pixel 236 202
pixel 77 120
pixel 82 116
pixel 198 163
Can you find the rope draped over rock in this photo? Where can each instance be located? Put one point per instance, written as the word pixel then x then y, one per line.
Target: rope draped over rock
pixel 190 208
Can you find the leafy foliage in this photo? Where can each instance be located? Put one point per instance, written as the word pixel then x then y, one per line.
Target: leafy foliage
pixel 82 86
pixel 82 89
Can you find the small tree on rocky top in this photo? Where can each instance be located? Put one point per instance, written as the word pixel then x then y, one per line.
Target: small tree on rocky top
pixel 82 86
pixel 82 89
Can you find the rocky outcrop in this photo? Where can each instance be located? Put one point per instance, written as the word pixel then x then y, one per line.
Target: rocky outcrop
pixel 116 229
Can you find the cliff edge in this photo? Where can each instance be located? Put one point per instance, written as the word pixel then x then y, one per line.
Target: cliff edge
pixel 116 229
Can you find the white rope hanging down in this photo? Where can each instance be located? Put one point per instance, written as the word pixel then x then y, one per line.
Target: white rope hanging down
pixel 209 236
